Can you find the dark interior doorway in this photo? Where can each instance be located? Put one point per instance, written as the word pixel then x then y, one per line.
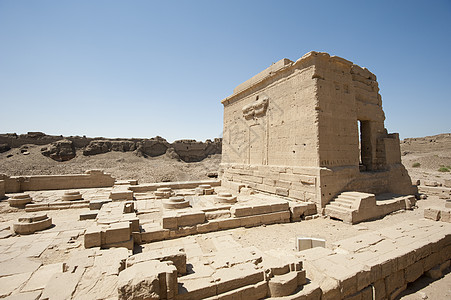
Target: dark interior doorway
pixel 365 148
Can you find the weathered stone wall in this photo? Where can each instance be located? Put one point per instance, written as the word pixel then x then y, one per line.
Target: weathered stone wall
pixel 38 138
pixel 187 150
pixel 91 179
pixel 298 120
pixel 259 146
pixel 2 189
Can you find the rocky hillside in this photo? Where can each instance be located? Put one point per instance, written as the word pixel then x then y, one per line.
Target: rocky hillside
pixel 61 148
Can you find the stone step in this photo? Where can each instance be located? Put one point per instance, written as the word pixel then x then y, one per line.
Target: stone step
pixel 347 197
pixel 334 206
pixel 344 201
pixel 339 213
pixel 342 204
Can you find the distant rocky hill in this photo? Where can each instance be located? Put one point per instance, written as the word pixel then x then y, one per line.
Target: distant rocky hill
pixel 62 148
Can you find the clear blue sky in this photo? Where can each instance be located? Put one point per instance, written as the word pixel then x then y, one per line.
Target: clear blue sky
pixel 147 68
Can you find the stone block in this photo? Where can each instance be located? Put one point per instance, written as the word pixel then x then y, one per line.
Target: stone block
pixel 283 285
pixel 259 209
pixel 251 221
pixel 40 278
pixel 302 278
pixel 117 232
pixel 148 280
pixel 227 279
pixel 133 219
pixel 281 206
pixel 155 234
pixel 283 184
pixel 176 255
pixel 121 195
pixel 316 242
pixel 2 189
pixel 414 271
pixel 190 218
pixel 432 260
pixel 445 215
pixel 296 194
pixel 379 290
pixel 276 217
pixel 246 191
pixel 196 288
pixel 183 231
pixel 228 223
pixel 234 186
pixel 241 211
pixel 303 243
pixel 434 273
pixel 394 281
pixel 207 227
pixel 282 191
pixel 332 266
pixel 432 213
pixel 297 210
pixel 123 244
pixel 218 214
pixel 250 292
pixel 266 188
pixel 169 221
pixel 269 181
pixel 62 285
pixel 445 265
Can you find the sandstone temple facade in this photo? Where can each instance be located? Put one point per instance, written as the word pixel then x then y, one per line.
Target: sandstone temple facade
pixel 309 130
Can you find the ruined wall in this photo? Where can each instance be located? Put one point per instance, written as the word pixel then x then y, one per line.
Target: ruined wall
pixel 2 189
pixel 14 140
pixel 293 130
pixel 91 179
pixel 187 150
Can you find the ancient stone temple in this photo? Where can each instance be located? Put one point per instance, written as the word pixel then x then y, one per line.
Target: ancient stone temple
pixel 310 130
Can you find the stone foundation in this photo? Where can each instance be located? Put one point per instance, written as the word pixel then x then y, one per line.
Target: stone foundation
pixel 31 223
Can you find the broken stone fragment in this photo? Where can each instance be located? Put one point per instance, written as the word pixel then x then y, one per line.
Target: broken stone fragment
pixel 148 280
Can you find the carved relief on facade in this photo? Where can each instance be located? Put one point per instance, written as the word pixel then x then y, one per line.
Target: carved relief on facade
pixel 257 108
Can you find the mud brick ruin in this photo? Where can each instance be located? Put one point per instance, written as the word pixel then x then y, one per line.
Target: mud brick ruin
pixel 303 141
